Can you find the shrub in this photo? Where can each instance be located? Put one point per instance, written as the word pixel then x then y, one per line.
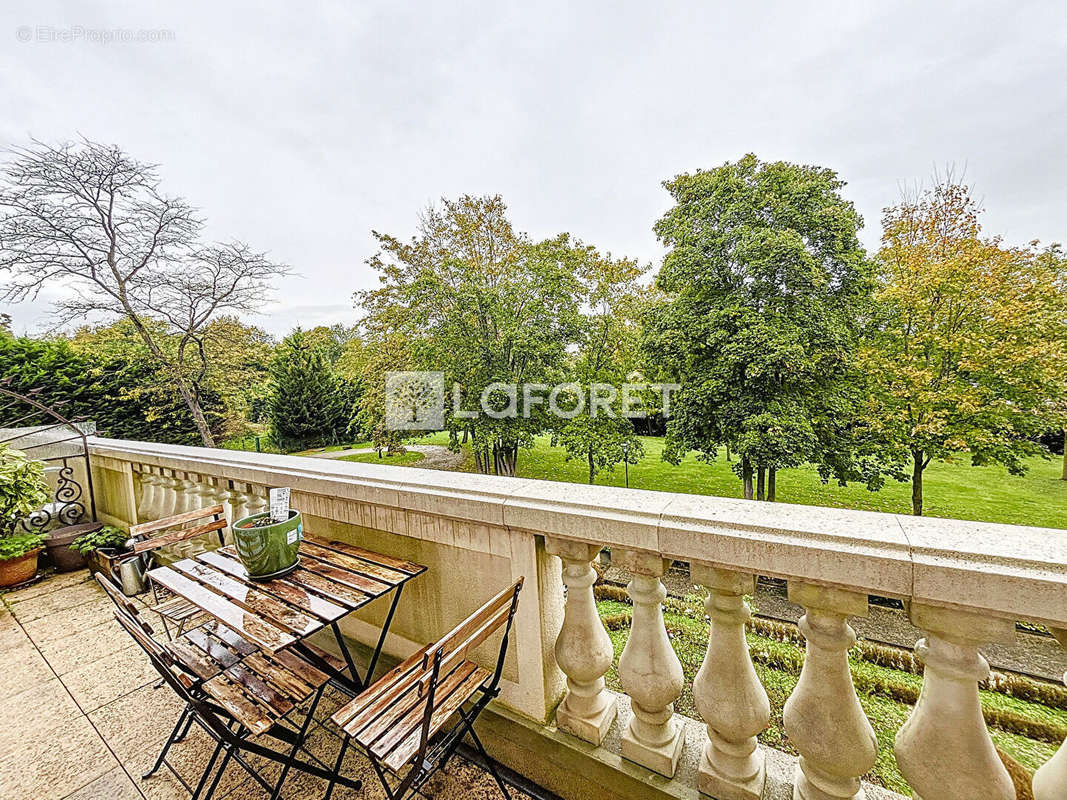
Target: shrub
pixel 107 537
pixel 23 488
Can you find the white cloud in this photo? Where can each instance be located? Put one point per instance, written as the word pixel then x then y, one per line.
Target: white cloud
pixel 300 127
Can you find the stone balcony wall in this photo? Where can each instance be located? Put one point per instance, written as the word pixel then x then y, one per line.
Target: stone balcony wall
pixel 965 584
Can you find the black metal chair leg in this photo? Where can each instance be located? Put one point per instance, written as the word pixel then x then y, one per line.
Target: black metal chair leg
pixel 218 775
pixel 185 730
pixel 489 763
pixel 337 767
pixel 300 738
pixel 186 716
pixel 207 772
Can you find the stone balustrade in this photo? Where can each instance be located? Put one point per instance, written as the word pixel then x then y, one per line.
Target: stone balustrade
pixel 965 585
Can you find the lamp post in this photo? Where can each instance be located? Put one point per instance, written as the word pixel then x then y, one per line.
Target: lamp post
pixel 626 461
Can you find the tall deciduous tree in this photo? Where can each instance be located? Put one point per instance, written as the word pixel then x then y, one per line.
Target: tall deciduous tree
pixel 613 303
pixel 90 218
pixel 475 299
pixel 970 342
pixel 764 281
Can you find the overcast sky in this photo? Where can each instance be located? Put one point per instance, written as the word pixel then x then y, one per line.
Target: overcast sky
pixel 300 129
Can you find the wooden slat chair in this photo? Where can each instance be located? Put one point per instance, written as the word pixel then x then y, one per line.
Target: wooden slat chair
pixel 401 721
pixel 150 537
pixel 235 692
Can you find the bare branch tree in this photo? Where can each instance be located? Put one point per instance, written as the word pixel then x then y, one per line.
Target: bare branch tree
pixel 88 218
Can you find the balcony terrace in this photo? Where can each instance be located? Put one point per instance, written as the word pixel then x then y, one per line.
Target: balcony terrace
pixel 965 585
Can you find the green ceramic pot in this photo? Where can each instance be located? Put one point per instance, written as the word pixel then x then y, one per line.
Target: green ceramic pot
pixel 269 551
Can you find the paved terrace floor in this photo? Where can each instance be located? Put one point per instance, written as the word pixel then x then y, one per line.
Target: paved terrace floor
pixel 80 719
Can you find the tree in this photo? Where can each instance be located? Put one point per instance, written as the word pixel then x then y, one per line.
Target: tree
pixel 309 404
pixel 614 301
pixel 118 389
pixel 765 281
pixel 92 219
pixel 970 338
pixel 472 298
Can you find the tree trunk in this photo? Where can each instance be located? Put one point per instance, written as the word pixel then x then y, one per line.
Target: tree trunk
pixel 592 470
pixel 1065 456
pixel 198 414
pixel 770 484
pixel 917 483
pixel 729 457
pixel 504 458
pixel 746 476
pixel 761 482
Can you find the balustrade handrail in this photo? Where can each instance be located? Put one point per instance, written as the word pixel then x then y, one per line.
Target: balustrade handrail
pixel 1011 571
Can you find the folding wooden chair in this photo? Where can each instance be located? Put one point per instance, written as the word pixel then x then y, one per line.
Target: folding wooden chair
pixel 251 695
pixel 400 721
pixel 151 536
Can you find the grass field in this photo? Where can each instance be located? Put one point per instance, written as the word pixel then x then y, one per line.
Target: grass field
pixel 407 459
pixel 951 489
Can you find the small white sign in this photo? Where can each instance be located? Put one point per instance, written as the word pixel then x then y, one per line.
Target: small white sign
pixel 279 504
pixel 293 536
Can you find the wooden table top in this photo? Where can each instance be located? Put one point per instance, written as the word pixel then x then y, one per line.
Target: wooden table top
pixel 333 580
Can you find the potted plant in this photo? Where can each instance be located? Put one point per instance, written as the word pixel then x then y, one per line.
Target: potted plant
pixel 23 490
pixel 268 549
pixel 102 547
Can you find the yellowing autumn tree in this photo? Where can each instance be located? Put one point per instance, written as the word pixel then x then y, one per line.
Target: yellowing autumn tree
pixel 969 348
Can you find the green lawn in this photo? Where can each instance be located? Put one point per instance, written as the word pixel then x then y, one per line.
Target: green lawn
pixel 951 490
pixel 401 460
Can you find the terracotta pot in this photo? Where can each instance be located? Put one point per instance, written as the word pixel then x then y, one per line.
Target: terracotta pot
pixel 58 543
pixel 14 571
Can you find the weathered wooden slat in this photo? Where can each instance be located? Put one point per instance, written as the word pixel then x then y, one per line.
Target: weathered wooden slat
pixel 356 713
pixel 146 528
pixel 230 639
pixel 163 539
pixel 328 569
pixel 359 565
pixel 459 652
pixel 340 593
pixel 397 755
pixel 337 663
pixel 218 652
pixel 257 689
pixel 280 677
pixel 233 616
pixel 307 672
pixel 229 696
pixel 489 610
pixel 194 659
pixel 269 608
pixel 391 562
pixel 281 588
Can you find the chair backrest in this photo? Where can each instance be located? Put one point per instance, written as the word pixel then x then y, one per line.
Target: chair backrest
pixel 174 673
pixel 162 532
pixel 454 646
pixel 122 602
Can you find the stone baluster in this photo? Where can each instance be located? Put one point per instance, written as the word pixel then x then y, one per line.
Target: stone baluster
pixel 186 499
pixel 1050 781
pixel 650 671
pixel 168 499
pixel 822 716
pixel 204 493
pixel 149 494
pixel 583 647
pixel 239 500
pixel 258 502
pixel 944 750
pixel 728 694
pixel 221 494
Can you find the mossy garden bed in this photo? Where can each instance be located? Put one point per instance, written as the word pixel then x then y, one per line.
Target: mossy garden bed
pixel 1027 719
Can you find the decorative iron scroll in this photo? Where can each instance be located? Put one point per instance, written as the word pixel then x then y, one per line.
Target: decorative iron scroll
pixel 21 418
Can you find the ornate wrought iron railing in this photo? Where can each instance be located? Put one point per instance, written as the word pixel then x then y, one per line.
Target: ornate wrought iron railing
pixel 43 433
